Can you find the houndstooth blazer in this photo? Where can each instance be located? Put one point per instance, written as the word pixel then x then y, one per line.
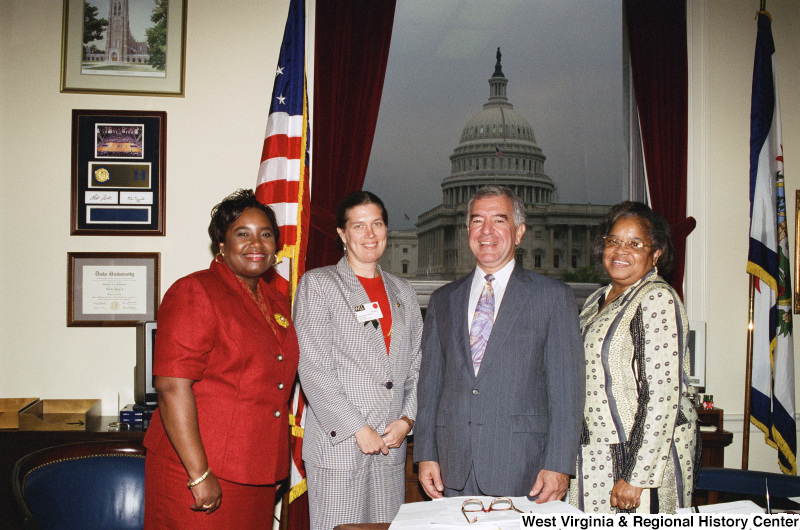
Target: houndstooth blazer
pixel 344 370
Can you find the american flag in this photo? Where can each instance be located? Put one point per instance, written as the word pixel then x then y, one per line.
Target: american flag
pixel 498 152
pixel 283 177
pixel 283 184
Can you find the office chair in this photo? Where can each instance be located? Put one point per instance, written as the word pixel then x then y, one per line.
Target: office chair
pixel 92 485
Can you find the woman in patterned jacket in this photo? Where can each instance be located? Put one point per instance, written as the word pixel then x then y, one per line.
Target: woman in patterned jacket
pixel 638 446
pixel 359 330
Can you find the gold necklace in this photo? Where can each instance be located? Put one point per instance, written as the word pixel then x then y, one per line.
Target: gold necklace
pixel 390 332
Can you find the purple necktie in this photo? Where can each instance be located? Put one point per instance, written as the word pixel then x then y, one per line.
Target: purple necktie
pixel 482 324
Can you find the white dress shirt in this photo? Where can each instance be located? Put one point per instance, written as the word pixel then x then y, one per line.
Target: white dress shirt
pixel 499 284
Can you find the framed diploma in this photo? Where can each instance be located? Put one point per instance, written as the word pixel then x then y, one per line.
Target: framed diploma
pixel 112 288
pixel 118 172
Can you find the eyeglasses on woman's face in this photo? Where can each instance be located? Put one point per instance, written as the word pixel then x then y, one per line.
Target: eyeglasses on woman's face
pixel 634 244
pixel 476 505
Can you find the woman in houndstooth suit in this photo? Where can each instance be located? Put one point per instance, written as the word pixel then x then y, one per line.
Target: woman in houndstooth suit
pixel 359 331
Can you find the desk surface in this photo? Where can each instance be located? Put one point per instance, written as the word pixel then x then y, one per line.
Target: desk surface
pixel 364 526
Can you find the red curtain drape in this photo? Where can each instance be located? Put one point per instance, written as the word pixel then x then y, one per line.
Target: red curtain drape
pixel 350 56
pixel 659 66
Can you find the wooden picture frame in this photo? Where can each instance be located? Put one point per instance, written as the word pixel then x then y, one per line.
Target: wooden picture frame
pixel 122 58
pixel 112 288
pixel 797 251
pixel 119 161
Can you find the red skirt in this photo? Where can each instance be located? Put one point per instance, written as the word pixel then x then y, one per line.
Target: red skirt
pixel 167 501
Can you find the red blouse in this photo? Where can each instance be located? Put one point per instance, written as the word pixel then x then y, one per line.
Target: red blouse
pixel 377 293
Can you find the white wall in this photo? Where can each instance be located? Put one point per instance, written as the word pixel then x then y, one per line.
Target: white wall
pixel 722 44
pixel 215 136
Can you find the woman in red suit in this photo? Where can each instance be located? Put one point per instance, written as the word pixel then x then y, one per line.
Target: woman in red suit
pixel 225 360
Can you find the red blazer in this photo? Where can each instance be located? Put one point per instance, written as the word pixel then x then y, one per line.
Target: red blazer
pixel 210 331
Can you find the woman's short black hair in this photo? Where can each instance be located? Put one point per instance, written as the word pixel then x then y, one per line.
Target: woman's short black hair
pixel 654 224
pixel 359 198
pixel 231 208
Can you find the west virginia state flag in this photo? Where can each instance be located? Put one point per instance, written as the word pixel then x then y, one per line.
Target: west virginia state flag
pixel 772 405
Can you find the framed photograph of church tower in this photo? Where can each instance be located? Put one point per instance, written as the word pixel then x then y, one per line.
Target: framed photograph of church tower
pixel 126 47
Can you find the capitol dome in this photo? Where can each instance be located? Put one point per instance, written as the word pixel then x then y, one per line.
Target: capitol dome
pixel 498 146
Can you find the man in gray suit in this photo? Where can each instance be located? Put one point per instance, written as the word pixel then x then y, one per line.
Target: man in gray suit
pixel 501 387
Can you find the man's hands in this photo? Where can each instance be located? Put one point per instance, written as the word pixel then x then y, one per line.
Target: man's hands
pixel 549 486
pixel 430 476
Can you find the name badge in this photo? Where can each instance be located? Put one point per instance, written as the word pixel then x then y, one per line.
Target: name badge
pixel 367 312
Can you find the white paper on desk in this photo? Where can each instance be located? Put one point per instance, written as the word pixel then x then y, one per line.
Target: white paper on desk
pixel 419 514
pixel 549 507
pixel 740 507
pixel 454 507
pixel 504 525
pixel 441 514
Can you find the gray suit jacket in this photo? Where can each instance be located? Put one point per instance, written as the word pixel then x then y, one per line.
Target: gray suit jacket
pixel 524 410
pixel 344 370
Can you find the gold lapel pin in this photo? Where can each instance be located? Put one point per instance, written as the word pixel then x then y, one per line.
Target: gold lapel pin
pixel 281 320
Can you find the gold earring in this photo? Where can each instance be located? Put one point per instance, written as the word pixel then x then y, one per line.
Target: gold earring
pixel 655 265
pixel 218 256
